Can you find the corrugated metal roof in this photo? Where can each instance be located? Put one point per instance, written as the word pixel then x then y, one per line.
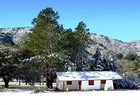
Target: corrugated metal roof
pixel 88 75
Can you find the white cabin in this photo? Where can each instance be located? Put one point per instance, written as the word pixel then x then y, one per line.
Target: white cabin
pixel 86 80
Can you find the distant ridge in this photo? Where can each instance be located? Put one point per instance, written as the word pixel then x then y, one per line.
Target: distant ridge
pixel 105 43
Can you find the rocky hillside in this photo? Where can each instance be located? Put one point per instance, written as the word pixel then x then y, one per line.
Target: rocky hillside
pixel 107 45
pixel 13 35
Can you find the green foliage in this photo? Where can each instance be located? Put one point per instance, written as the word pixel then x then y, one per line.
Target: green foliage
pixel 44 34
pixel 69 42
pixel 43 42
pixel 120 56
pixel 49 38
pixel 130 67
pixel 8 64
pixel 33 68
pixel 25 53
pixel 131 56
pixel 46 49
pixel 45 17
pixel 74 42
pixel 136 66
pixel 82 35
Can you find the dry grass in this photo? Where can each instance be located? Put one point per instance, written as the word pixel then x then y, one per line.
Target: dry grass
pixel 126 67
pixel 20 86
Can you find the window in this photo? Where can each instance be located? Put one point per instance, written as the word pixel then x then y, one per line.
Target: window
pixel 90 82
pixel 69 82
pixel 103 81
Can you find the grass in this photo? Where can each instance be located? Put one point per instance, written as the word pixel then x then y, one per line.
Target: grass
pixel 20 86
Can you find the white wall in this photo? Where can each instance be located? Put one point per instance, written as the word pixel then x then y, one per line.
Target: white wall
pixel 102 86
pixel 62 85
pixel 109 85
pixel 85 85
pixel 74 86
pixel 59 84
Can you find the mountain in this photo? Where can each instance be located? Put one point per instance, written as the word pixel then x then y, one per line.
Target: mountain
pixel 106 44
pixel 13 35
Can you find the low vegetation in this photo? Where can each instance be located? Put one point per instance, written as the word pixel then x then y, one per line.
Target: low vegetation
pixel 19 87
pixel 130 64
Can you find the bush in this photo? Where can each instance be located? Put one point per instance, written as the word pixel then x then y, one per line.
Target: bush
pixel 120 56
pixel 131 56
pixel 136 67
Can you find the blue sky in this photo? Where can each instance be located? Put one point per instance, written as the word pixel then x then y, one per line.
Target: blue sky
pixel 119 19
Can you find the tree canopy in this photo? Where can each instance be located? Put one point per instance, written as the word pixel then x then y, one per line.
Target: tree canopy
pixel 43 36
pixel 8 64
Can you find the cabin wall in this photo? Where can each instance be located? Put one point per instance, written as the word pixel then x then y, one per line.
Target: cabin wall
pixel 102 86
pixel 59 84
pixel 74 86
pixel 62 85
pixel 86 86
pixel 103 82
pixel 109 85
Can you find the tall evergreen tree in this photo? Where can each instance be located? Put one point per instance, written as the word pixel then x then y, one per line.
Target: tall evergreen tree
pixel 74 44
pixel 101 62
pixel 82 36
pixel 8 64
pixel 44 37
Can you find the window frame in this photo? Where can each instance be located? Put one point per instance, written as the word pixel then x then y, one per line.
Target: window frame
pixel 69 82
pixel 103 81
pixel 90 82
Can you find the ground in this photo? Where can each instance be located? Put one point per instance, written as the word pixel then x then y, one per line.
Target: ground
pixel 26 97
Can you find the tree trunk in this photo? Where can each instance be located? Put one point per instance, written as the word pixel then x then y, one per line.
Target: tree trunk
pixel 51 83
pixel 6 80
pixel 46 81
pixel 26 83
pixel 6 84
pixel 46 75
pixel 19 81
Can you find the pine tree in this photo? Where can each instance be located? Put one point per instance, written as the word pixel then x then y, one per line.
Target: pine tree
pixel 44 37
